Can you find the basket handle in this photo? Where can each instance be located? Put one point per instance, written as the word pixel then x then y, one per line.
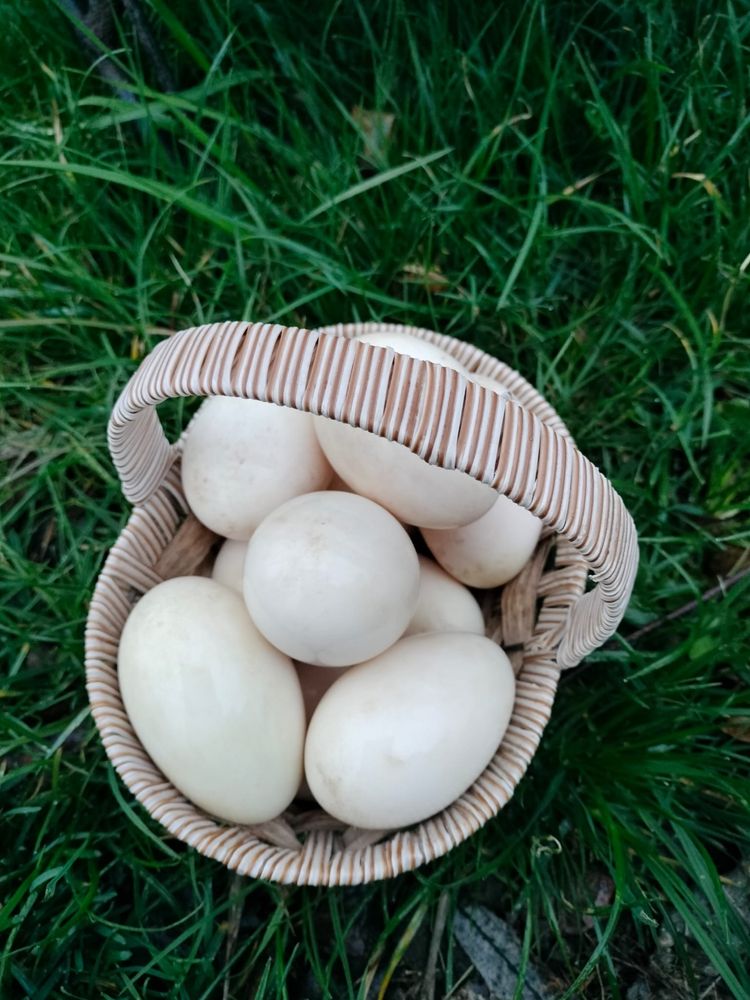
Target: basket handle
pixel 435 411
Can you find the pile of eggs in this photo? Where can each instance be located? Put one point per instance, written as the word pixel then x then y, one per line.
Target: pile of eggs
pixel 325 659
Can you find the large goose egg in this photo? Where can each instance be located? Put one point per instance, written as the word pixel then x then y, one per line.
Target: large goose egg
pixel 331 578
pixel 398 738
pixel 444 604
pixel 216 707
pixel 491 550
pixel 389 473
pixel 242 458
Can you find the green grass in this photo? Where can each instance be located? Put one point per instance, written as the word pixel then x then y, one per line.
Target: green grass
pixel 576 177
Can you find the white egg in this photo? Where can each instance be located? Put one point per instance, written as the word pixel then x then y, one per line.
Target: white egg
pixel 229 565
pixel 387 472
pixel 217 708
pixel 400 737
pixel 331 578
pixel 443 605
pixel 243 458
pixel 491 550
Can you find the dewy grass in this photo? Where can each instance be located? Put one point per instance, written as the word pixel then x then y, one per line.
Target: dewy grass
pixel 564 185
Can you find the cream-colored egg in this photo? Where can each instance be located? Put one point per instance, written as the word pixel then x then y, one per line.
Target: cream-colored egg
pixel 229 565
pixel 217 708
pixel 490 551
pixel 444 605
pixel 243 458
pixel 331 578
pixel 387 472
pixel 400 737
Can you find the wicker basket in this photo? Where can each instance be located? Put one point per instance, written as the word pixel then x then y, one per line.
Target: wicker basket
pixel 515 442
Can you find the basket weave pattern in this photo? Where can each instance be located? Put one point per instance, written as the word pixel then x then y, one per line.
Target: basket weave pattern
pixel 516 443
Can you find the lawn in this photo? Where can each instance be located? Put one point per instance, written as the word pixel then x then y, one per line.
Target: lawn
pixel 562 184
